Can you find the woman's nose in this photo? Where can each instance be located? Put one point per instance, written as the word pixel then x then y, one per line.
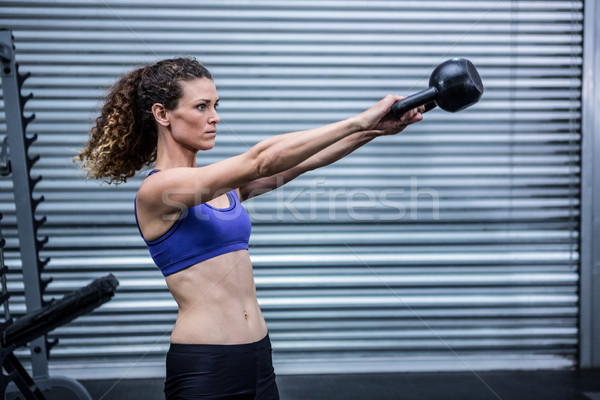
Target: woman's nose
pixel 215 118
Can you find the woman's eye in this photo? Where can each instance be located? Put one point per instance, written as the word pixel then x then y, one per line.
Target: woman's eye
pixel 201 107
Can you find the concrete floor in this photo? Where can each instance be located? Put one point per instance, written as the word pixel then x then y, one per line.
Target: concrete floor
pixel 512 385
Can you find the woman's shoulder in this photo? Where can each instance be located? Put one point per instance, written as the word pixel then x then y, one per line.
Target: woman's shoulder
pixel 170 184
pixel 148 187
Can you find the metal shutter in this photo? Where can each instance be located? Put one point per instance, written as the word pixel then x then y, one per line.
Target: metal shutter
pixel 453 246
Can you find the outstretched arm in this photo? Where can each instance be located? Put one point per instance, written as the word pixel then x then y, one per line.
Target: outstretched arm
pixel 176 189
pixel 336 151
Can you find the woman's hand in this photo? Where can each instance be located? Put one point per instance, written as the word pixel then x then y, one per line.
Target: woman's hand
pixel 380 121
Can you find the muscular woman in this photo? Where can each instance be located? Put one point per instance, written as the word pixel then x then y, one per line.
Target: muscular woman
pixel 192 219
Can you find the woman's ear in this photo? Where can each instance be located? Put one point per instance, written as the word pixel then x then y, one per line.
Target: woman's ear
pixel 160 114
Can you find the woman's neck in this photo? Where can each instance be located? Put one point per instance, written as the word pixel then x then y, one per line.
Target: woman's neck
pixel 173 155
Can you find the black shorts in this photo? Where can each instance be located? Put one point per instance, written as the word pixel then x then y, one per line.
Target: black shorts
pixel 221 371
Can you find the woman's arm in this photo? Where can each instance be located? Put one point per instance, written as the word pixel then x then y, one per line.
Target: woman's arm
pixel 325 157
pixel 176 189
pixel 331 154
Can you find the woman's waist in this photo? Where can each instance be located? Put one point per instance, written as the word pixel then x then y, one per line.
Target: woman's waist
pixel 219 324
pixel 229 304
pixel 220 348
pixel 217 297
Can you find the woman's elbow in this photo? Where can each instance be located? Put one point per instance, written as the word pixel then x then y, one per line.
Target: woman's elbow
pixel 268 164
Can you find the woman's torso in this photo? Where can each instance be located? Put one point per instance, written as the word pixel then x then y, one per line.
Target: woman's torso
pixel 216 297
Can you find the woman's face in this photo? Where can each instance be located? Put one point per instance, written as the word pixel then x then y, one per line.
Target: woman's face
pixel 194 121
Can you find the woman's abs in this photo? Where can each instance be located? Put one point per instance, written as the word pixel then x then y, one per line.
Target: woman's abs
pixel 217 302
pixel 229 325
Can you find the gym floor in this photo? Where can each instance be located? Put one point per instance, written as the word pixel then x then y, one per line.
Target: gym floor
pixel 513 385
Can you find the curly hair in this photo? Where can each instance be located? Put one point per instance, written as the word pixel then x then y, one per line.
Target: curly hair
pixel 124 138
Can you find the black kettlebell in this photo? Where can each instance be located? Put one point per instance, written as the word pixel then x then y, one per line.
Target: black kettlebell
pixel 453 86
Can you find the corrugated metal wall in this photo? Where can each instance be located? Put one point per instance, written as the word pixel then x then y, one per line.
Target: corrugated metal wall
pixel 451 246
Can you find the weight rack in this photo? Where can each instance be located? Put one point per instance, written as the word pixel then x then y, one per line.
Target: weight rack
pixel 41 317
pixel 23 186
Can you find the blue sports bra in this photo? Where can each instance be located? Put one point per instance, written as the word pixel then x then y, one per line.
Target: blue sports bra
pixel 200 233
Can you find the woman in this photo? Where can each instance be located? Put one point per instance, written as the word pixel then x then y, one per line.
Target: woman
pixel 192 220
